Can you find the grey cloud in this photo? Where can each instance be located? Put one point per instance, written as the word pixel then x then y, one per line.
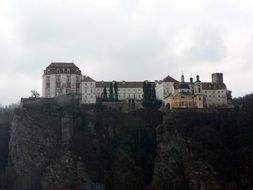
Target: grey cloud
pixel 208 46
pixel 131 40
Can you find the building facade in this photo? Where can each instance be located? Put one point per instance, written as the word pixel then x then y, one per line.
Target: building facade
pixel 66 78
pixel 61 79
pixel 199 94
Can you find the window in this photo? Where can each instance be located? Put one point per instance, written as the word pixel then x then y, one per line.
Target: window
pixel 48 92
pixel 58 78
pixel 48 79
pixel 77 78
pixel 68 70
pixel 68 78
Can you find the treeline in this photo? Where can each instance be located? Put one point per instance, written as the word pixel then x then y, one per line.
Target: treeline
pixel 149 95
pixel 5 122
pixel 113 93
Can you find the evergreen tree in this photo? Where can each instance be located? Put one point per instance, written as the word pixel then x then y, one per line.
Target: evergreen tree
pixel 105 98
pixel 153 94
pixel 111 99
pixel 149 96
pixel 116 91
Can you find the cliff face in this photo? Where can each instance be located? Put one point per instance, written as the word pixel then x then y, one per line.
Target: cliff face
pixel 55 147
pixel 204 151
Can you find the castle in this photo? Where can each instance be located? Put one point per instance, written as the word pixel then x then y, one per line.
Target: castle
pixel 66 78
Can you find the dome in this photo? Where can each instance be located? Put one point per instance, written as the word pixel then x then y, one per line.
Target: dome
pixel 183 85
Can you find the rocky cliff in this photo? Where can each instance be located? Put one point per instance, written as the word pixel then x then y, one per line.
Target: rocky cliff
pixel 57 147
pixel 204 151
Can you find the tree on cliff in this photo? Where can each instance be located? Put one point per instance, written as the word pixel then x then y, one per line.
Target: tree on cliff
pixel 116 91
pixel 105 98
pixel 149 96
pixel 111 99
pixel 34 94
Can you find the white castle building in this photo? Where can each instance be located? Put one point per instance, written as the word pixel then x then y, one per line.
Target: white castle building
pixel 66 78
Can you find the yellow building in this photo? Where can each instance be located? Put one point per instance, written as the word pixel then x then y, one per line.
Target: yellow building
pixel 183 98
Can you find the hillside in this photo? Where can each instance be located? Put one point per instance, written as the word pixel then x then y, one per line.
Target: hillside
pixel 56 147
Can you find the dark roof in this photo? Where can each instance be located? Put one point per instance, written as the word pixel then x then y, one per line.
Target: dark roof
pixel 169 79
pixel 213 86
pixel 122 84
pixel 183 85
pixel 206 86
pixel 88 79
pixel 62 67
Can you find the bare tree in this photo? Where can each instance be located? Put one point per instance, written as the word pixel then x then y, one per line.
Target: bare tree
pixel 34 94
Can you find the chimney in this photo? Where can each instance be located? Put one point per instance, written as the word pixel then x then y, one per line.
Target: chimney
pixel 191 80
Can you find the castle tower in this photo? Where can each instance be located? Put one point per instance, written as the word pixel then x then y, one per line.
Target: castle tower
pixel 217 78
pixel 61 78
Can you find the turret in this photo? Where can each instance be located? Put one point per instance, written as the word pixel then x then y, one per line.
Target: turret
pixel 182 78
pixel 197 78
pixel 191 80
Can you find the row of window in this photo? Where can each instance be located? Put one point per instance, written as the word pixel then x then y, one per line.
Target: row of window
pixel 58 78
pixel 213 91
pixel 122 90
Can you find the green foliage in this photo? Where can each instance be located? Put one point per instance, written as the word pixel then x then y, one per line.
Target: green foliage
pixel 223 139
pixel 105 97
pixel 111 99
pixel 149 96
pixel 118 149
pixel 116 95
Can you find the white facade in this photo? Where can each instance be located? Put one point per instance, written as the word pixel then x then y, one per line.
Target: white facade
pixel 216 98
pixel 66 78
pixel 126 90
pixel 61 79
pixel 165 88
pixel 88 89
pixel 123 93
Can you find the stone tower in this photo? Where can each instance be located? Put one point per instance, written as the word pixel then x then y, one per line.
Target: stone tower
pixel 217 78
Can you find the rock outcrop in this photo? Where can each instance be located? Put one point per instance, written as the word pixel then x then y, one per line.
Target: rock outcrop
pixel 56 147
pixel 204 151
pixel 53 147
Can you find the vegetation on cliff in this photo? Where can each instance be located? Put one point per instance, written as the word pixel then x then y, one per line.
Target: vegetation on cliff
pixel 118 149
pixel 113 150
pixel 206 150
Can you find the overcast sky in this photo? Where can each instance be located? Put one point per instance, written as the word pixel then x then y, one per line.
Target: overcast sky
pixel 125 40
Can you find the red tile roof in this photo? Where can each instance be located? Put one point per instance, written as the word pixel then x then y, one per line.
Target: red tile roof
pixel 213 86
pixel 122 84
pixel 88 79
pixel 207 86
pixel 169 79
